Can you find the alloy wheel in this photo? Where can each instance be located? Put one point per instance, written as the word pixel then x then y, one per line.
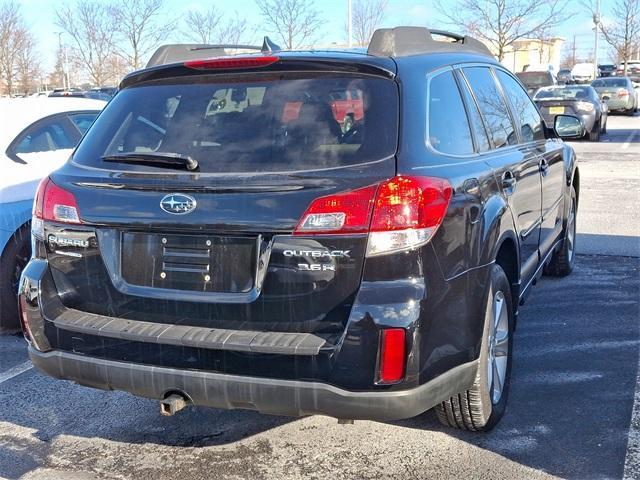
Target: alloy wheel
pixel 498 347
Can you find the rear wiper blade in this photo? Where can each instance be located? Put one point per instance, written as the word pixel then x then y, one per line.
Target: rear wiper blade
pixel 159 159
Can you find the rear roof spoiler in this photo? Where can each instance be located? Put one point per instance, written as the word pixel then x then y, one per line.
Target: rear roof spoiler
pixel 182 52
pixel 405 41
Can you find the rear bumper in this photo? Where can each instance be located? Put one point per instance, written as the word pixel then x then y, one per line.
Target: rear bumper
pixel 615 104
pixel 271 396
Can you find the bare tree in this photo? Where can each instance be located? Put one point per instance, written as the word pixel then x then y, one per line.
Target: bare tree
pixel 28 65
pixel 544 37
pixel 12 37
pixel 296 22
pixel 141 28
pixel 212 26
pixel 500 23
pixel 623 33
pixel 92 28
pixel 233 30
pixel 366 17
pixel 203 27
pixel 56 76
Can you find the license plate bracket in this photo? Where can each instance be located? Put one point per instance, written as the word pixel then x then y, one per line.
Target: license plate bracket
pixel 202 263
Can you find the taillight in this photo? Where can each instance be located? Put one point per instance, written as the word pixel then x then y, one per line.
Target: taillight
pixel 400 213
pixel 55 204
pixel 585 106
pixel 392 355
pixel 232 62
pixel 347 212
pixel 623 93
pixel 407 213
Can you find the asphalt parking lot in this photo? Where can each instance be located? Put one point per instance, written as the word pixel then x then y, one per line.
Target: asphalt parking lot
pixel 569 415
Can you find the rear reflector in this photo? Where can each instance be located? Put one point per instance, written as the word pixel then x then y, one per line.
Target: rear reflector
pixel 231 62
pixel 24 319
pixel 400 213
pixel 392 355
pixel 55 204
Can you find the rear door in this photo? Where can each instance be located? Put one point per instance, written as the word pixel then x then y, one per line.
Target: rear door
pixel 548 153
pixel 216 246
pixel 516 166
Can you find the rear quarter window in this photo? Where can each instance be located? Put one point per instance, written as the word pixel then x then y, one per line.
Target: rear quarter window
pixel 254 123
pixel 448 124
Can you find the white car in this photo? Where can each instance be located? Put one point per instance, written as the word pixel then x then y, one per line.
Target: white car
pixel 583 72
pixel 37 135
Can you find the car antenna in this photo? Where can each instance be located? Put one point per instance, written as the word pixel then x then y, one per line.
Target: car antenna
pixel 268 46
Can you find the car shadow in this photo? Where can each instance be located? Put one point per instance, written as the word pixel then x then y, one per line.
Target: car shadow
pixel 574 376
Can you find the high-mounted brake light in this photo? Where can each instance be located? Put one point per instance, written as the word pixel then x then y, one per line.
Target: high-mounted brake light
pixel 392 355
pixel 232 62
pixel 401 213
pixel 55 204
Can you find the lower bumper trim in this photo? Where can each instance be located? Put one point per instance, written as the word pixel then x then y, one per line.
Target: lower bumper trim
pixel 267 395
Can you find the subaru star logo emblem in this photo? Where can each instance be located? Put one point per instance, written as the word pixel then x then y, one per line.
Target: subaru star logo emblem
pixel 178 204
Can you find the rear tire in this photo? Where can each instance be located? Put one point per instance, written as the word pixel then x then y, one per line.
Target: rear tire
pixel 594 135
pixel 482 406
pixel 14 258
pixel 563 259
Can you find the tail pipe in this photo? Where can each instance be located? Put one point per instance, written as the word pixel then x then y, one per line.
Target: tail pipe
pixel 172 403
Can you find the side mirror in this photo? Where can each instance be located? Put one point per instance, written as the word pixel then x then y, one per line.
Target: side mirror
pixel 605 98
pixel 568 126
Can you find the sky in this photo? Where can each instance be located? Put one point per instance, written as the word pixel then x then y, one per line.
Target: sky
pixel 40 15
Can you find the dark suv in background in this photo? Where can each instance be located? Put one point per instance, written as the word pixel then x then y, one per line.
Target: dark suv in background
pixel 218 239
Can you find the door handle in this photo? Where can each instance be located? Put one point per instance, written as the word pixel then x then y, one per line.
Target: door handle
pixel 544 166
pixel 508 182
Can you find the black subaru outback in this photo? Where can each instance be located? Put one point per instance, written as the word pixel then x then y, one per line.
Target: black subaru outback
pixel 300 233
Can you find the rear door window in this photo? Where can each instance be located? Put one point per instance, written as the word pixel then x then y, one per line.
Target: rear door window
pixel 258 124
pixel 524 110
pixel 45 136
pixel 475 119
pixel 448 124
pixel 492 105
pixel 83 121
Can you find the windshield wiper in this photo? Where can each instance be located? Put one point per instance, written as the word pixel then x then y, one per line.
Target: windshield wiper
pixel 158 159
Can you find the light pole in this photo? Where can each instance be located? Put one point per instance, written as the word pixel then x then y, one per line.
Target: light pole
pixel 596 21
pixel 349 23
pixel 65 74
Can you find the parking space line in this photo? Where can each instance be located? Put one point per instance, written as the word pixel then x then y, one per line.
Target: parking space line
pixel 15 371
pixel 632 460
pixel 629 139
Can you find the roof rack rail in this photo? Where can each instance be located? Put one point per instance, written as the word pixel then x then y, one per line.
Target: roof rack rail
pixel 405 41
pixel 181 52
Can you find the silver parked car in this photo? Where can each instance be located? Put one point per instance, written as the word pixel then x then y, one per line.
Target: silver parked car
pixel 622 96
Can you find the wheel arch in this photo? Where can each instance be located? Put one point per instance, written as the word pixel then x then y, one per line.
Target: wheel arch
pixel 508 257
pixel 575 182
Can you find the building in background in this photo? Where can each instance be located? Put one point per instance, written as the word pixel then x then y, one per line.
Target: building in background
pixel 534 54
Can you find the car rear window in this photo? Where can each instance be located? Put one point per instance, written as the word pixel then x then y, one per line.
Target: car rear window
pixel 564 93
pixel 609 82
pixel 256 123
pixel 535 78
